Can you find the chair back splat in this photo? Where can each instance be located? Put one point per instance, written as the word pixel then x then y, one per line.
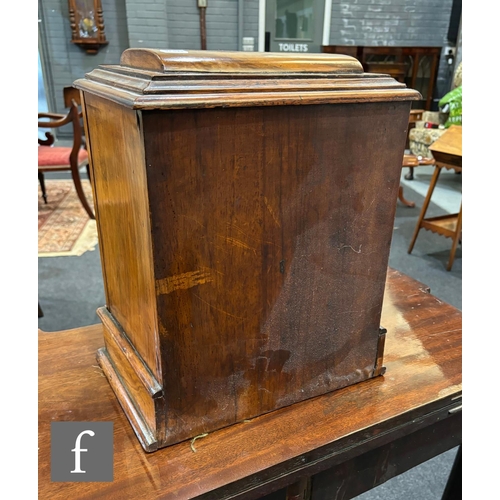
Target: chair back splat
pixel 58 158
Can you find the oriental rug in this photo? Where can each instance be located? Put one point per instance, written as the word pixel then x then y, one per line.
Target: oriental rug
pixel 64 227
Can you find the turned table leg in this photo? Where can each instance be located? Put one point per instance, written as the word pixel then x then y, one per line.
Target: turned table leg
pixel 403 200
pixel 409 175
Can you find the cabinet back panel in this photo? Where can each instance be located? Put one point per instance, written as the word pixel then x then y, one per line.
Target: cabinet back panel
pixel 271 234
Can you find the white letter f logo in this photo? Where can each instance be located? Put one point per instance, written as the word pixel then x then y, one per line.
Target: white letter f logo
pixel 78 450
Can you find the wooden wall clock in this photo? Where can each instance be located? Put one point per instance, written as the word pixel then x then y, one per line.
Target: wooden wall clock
pixel 87 24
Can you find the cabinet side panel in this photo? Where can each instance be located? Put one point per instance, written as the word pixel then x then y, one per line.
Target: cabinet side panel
pixel 121 200
pixel 271 236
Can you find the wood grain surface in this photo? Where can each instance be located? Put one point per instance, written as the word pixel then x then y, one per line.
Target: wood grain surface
pixel 121 199
pixel 163 79
pixel 237 62
pixel 270 248
pixel 246 460
pixel 447 149
pixel 245 244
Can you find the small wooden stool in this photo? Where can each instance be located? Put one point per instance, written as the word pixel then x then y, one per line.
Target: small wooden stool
pixel 447 151
pixel 412 161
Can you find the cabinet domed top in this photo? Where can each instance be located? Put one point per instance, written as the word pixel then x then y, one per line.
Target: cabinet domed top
pixel 203 61
pixel 176 79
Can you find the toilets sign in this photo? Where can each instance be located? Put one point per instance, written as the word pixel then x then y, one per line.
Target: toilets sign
pixel 293 47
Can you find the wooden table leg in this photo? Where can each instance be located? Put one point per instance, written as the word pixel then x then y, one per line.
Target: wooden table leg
pixel 425 206
pixel 301 490
pixel 456 238
pixel 409 175
pixel 41 179
pixel 403 200
pixel 453 489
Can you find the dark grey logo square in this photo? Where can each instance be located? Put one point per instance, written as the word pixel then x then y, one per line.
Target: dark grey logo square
pixel 81 452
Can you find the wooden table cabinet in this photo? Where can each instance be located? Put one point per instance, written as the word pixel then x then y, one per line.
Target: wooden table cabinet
pixel 244 242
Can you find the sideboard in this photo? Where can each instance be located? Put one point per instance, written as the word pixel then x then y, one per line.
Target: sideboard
pixel 415 66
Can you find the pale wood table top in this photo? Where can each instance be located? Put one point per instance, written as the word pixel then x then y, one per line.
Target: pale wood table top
pixel 447 150
pixel 422 385
pixel 450 142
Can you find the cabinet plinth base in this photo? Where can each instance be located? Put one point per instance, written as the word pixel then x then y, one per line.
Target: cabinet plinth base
pixel 139 425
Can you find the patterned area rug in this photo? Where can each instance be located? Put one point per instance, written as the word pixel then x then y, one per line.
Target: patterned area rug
pixel 64 227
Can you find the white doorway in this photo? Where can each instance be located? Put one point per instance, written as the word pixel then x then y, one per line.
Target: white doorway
pixel 294 25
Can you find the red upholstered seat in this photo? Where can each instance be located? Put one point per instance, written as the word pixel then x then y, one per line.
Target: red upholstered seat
pixel 49 155
pixel 58 159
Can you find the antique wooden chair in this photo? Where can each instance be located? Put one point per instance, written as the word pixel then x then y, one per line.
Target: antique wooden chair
pixel 71 94
pixel 57 158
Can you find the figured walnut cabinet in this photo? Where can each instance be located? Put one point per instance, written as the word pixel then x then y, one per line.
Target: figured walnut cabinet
pixel 245 206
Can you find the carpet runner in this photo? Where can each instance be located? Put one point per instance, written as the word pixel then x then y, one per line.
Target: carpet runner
pixel 64 227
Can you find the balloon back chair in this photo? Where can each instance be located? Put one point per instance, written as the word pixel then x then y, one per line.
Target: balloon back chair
pixel 57 158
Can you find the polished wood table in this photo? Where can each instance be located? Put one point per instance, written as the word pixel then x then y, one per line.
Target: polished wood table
pixel 447 152
pixel 333 446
